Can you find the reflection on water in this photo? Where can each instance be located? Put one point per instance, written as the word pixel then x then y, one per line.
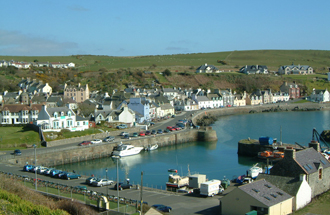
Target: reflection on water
pixel 215 159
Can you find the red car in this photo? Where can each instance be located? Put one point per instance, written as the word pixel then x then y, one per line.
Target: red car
pixel 85 143
pixel 169 127
pixel 177 128
pixel 172 129
pixel 142 134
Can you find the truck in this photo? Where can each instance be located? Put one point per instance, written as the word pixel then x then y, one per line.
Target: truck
pixel 211 188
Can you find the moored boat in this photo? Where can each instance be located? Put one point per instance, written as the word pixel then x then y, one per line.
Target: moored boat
pixel 126 150
pixel 151 147
pixel 271 155
pixel 254 171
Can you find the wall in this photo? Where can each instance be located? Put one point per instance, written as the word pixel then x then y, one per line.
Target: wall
pixel 53 157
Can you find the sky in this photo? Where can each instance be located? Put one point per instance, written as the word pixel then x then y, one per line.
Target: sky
pixel 151 27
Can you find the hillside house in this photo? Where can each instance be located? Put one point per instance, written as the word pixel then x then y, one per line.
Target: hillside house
pixel 292 89
pixel 207 69
pixel 295 70
pixel 320 96
pixel 254 69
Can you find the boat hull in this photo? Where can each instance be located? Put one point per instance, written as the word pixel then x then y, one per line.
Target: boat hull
pixel 125 153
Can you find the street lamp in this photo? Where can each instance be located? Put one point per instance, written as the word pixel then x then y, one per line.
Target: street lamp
pixel 35 164
pixel 106 170
pixel 117 157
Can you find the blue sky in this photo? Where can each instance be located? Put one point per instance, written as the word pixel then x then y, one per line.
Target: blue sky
pixel 151 27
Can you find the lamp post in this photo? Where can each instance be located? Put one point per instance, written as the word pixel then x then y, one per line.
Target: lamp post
pixel 117 157
pixel 106 170
pixel 35 164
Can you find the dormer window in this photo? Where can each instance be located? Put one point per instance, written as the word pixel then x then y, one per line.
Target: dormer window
pixel 55 115
pixel 69 114
pixel 62 113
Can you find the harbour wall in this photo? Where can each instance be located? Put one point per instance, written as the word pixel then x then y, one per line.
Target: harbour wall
pixel 53 157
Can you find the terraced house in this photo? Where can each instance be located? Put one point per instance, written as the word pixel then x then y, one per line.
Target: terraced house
pixel 19 113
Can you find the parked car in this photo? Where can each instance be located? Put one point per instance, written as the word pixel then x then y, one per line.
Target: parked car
pixel 90 180
pixel 17 152
pixel 53 172
pixel 159 131
pixel 82 188
pixel 102 182
pixel 121 126
pixel 28 167
pixel 152 123
pixel 47 171
pixel 41 170
pixel 153 132
pixel 123 186
pixel 85 143
pixel 148 132
pixel 142 133
pixel 169 127
pixel 135 134
pixel 166 130
pixel 172 129
pixel 124 133
pixel 71 175
pixel 162 208
pixel 126 136
pixel 95 141
pixel 109 139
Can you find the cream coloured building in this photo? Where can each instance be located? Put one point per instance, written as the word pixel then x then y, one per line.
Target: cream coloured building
pixel 261 196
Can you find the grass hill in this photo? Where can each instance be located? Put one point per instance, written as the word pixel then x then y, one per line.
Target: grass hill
pixel 106 73
pixel 272 58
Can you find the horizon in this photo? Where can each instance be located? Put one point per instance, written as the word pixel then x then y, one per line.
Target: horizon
pixel 148 28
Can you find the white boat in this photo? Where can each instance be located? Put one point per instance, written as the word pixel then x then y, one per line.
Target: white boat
pixel 151 147
pixel 254 171
pixel 177 181
pixel 126 150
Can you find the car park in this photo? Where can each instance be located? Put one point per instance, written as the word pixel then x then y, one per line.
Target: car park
pixel 95 141
pixel 102 182
pixel 121 126
pixel 123 186
pixel 17 152
pixel 162 208
pixel 159 131
pixel 85 143
pixel 109 139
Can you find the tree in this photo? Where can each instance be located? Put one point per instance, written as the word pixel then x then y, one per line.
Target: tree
pixel 167 72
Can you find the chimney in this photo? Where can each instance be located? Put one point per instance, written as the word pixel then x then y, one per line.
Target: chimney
pixel 289 153
pixel 316 145
pixel 79 85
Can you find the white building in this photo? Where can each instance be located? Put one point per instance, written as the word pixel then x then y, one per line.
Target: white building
pixel 320 96
pixel 57 118
pixel 19 113
pixel 280 97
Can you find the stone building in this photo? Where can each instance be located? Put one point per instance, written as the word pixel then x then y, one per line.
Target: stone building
pixel 309 162
pixel 78 93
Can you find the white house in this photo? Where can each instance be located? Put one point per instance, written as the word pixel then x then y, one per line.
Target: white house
pixel 57 118
pixel 280 97
pixel 207 69
pixel 19 113
pixel 320 96
pixel 124 115
pixel 202 101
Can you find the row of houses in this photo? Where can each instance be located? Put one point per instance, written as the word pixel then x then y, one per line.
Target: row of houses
pixel 292 183
pixel 27 65
pixel 261 69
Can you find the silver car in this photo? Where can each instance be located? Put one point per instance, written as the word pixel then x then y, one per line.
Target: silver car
pixel 102 182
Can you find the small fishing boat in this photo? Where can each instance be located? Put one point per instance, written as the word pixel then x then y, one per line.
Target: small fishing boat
pixel 177 181
pixel 151 147
pixel 172 170
pixel 254 171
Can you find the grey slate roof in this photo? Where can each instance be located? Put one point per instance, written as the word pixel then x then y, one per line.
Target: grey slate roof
pixel 310 160
pixel 79 118
pixel 51 111
pixel 203 67
pixel 290 185
pixel 265 192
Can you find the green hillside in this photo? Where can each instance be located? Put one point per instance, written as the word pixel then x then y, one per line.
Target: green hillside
pixel 272 58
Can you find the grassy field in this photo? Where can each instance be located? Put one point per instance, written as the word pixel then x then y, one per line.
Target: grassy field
pixel 17 137
pixel 318 59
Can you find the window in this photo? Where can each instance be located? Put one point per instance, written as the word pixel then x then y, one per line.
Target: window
pixel 320 173
pixel 55 115
pixel 82 94
pixel 69 114
pixel 62 113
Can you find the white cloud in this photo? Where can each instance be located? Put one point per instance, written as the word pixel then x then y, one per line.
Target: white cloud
pixel 16 43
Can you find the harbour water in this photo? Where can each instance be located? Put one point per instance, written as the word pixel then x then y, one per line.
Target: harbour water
pixel 217 159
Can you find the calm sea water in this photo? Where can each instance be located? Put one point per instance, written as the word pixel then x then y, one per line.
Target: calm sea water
pixel 217 159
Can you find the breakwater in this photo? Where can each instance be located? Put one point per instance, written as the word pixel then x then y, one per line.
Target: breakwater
pixel 53 157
